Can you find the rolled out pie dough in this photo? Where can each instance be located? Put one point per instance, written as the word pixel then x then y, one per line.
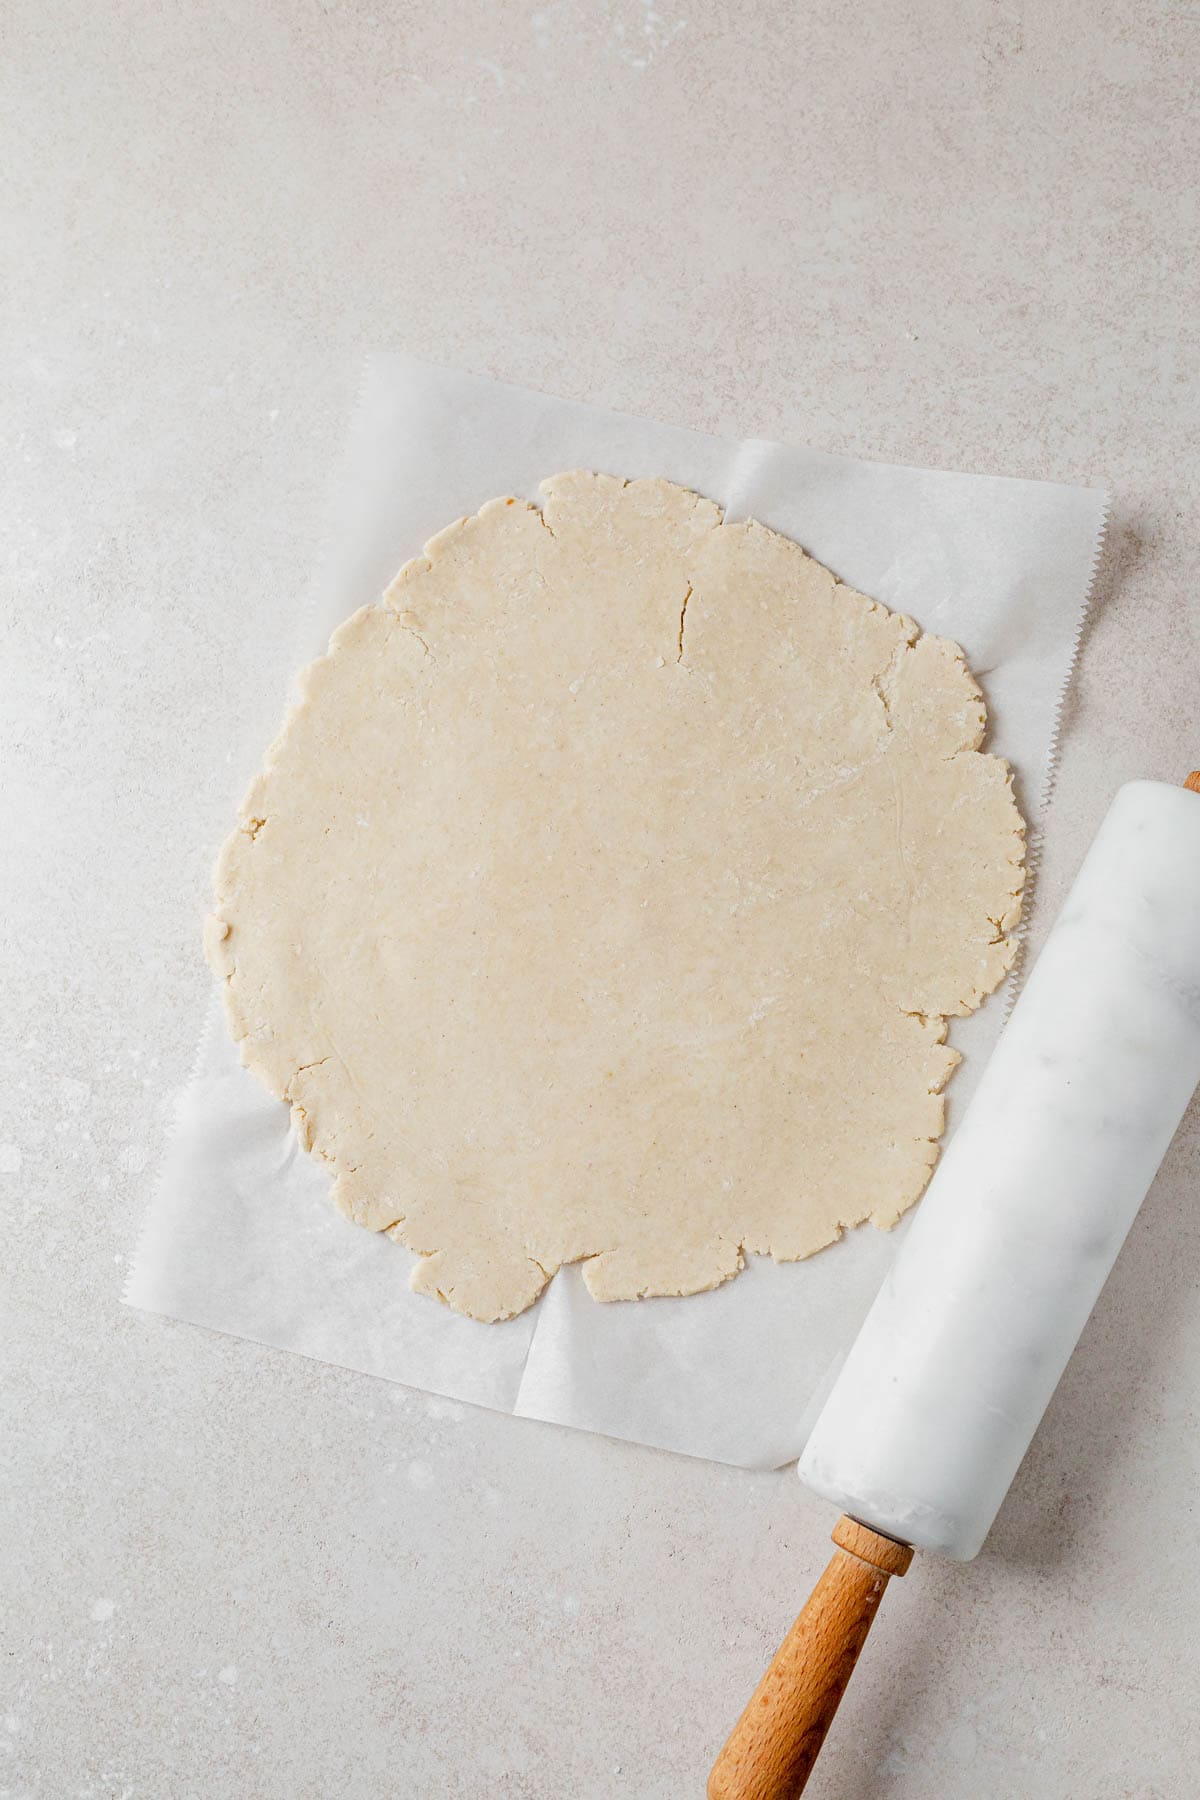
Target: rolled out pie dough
pixel 605 895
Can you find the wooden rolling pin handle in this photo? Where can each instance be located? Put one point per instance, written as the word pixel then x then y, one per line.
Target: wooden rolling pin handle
pixel 772 1748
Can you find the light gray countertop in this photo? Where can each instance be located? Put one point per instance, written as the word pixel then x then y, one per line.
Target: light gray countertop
pixel 954 234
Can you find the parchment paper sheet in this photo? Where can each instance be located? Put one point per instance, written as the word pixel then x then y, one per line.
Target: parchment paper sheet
pixel 241 1234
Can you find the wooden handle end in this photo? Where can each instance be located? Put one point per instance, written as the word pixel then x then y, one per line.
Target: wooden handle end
pixel 772 1748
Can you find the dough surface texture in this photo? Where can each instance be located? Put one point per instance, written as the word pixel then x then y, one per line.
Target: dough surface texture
pixel 605 896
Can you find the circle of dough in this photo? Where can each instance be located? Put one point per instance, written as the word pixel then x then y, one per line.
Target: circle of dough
pixel 605 896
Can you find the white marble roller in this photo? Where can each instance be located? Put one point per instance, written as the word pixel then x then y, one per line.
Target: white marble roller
pixel 945 1385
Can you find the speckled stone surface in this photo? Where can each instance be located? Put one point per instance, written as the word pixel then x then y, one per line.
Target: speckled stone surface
pixel 959 234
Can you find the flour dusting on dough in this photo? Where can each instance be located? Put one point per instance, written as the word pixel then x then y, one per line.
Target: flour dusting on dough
pixel 605 896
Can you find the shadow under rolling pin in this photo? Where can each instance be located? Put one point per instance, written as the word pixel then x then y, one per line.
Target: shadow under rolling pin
pixel 948 1379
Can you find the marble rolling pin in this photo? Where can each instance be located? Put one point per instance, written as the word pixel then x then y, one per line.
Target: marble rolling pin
pixel 944 1387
